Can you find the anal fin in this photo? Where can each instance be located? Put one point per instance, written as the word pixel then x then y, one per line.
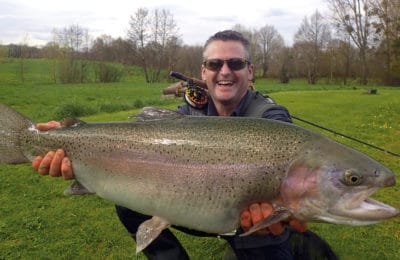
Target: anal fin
pixel 148 231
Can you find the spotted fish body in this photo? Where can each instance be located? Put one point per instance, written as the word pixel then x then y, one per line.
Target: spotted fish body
pixel 200 172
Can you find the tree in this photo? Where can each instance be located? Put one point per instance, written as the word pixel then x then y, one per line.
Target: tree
pixel 138 34
pixel 102 48
pixel 269 42
pixel 74 42
pixel 123 51
pixel 285 64
pixel 155 38
pixel 189 60
pixel 53 52
pixel 73 37
pixel 354 18
pixel 310 40
pixel 24 53
pixel 387 32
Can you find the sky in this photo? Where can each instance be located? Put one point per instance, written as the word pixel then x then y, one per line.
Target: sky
pixel 32 21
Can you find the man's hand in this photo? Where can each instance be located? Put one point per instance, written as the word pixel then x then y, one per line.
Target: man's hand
pixel 47 126
pixel 53 163
pixel 258 211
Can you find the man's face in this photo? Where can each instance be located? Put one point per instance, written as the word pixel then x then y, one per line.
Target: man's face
pixel 226 85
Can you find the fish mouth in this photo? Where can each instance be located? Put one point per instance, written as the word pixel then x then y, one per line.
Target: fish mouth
pixel 359 209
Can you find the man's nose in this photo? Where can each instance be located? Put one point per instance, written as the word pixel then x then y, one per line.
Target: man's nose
pixel 225 68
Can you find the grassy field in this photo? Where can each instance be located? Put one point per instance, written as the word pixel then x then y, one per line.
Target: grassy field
pixel 37 221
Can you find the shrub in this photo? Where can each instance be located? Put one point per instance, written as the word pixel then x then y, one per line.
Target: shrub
pixel 106 73
pixel 73 110
pixel 73 71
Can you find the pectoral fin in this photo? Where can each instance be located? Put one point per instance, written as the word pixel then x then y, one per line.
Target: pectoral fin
pixel 148 231
pixel 76 188
pixel 279 214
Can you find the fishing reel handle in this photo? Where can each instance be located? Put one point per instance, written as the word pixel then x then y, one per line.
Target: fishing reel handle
pixel 189 80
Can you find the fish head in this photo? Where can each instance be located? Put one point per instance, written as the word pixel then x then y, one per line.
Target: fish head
pixel 332 183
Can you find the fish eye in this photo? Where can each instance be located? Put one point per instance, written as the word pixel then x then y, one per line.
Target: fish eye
pixel 352 178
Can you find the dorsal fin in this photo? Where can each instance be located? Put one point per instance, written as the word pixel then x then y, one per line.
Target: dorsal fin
pixel 153 113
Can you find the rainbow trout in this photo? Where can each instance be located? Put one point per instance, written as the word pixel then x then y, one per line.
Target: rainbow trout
pixel 200 172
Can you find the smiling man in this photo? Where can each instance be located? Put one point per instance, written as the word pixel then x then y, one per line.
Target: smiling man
pixel 227 71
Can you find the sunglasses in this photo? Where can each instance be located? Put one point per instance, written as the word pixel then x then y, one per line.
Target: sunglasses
pixel 233 64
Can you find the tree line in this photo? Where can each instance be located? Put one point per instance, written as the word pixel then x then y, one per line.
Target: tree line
pixel 357 40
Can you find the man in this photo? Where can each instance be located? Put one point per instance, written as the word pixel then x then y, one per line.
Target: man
pixel 226 69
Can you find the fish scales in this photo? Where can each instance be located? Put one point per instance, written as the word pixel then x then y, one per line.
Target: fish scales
pixel 178 160
pixel 200 172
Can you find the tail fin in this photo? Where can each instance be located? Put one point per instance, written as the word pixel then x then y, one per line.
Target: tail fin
pixel 12 126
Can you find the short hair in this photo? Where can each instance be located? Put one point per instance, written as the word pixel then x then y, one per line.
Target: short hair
pixel 229 35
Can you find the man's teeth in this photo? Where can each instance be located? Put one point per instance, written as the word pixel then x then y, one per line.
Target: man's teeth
pixel 225 82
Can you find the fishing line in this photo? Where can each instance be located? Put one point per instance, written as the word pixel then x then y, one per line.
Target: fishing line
pixel 346 136
pixel 198 99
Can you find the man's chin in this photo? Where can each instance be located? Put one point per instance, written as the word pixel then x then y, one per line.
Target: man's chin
pixel 226 93
pixel 225 97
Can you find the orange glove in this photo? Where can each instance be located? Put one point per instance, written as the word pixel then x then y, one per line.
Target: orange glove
pixel 53 163
pixel 258 211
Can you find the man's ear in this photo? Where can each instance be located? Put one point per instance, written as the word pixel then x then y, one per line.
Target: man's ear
pixel 203 72
pixel 250 68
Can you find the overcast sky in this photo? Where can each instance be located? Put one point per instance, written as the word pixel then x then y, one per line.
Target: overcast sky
pixel 32 21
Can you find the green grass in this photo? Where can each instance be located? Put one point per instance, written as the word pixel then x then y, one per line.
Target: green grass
pixel 37 221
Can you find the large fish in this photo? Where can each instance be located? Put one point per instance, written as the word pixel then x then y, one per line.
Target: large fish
pixel 200 172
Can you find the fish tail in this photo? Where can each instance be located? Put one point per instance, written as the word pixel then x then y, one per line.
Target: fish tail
pixel 13 125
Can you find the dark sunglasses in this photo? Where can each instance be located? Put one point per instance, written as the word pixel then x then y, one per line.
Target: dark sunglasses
pixel 233 64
